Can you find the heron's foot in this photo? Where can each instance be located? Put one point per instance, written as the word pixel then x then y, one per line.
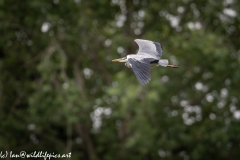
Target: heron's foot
pixel 172 66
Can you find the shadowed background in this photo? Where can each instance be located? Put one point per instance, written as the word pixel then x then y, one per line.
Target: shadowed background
pixel 60 92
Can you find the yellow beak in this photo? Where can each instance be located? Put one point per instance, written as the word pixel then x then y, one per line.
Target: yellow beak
pixel 116 60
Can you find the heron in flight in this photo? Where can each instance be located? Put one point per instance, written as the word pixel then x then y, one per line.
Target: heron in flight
pixel 148 55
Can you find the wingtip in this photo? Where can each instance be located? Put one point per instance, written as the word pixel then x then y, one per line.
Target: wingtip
pixel 136 40
pixel 145 82
pixel 141 40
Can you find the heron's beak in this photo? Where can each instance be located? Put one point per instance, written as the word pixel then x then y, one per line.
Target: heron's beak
pixel 116 60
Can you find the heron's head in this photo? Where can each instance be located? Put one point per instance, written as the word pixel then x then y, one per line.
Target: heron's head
pixel 124 59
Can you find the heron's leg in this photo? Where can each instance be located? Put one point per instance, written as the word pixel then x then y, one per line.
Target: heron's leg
pixel 172 66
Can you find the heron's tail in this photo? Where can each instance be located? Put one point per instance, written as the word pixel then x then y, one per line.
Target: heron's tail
pixel 163 62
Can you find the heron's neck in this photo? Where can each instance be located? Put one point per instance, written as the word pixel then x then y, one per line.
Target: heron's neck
pixel 127 64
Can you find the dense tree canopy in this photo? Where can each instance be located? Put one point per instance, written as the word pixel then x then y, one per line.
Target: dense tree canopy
pixel 60 92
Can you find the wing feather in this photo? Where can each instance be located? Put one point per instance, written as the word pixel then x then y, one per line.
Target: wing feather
pixel 141 70
pixel 149 47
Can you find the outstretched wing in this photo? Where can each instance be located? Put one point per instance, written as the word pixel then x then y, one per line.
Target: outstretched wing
pixel 141 70
pixel 149 47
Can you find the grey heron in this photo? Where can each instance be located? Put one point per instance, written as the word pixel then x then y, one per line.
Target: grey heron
pixel 148 55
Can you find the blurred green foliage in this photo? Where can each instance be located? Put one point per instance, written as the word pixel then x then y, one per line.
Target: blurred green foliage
pixel 59 91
